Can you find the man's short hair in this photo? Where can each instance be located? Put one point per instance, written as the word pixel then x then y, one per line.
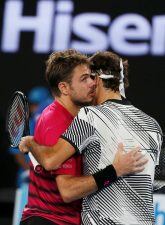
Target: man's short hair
pixel 60 65
pixel 109 63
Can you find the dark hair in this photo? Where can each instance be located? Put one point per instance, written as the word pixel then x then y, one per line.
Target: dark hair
pixel 109 63
pixel 60 65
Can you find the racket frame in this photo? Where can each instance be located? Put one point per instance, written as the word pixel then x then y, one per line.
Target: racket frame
pixel 26 111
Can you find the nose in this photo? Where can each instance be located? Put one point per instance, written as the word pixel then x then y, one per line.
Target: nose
pixel 93 80
pixel 92 83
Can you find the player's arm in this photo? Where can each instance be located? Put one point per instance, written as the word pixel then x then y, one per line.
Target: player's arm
pixel 49 157
pixel 52 157
pixel 76 187
pixel 72 188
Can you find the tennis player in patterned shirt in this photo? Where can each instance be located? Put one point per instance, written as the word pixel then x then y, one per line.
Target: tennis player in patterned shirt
pixel 96 133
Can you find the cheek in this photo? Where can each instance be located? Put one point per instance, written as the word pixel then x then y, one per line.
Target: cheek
pixel 81 92
pixel 81 88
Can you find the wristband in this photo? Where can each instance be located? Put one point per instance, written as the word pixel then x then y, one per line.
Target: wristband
pixel 105 177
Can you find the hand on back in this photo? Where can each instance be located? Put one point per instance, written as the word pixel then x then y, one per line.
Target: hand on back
pixel 129 162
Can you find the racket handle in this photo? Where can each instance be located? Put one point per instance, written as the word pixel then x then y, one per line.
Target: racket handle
pixel 37 167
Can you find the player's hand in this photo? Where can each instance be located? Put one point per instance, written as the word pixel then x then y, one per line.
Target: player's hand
pixel 129 162
pixel 24 145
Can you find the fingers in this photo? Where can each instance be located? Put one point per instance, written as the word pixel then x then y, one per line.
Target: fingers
pixel 138 156
pixel 141 162
pixel 23 145
pixel 120 148
pixel 23 148
pixel 130 162
pixel 135 150
pixel 139 169
pixel 139 165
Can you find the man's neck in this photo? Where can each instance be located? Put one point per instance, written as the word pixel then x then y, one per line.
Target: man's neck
pixel 107 94
pixel 69 105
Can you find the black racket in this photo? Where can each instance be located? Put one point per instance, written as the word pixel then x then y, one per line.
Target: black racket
pixel 18 122
pixel 17 118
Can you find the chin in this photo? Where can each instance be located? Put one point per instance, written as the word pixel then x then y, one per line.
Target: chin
pixel 94 102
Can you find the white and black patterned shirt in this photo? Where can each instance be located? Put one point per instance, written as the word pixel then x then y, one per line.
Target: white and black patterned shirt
pixel 96 133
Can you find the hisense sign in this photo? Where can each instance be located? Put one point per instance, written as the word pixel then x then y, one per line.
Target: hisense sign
pixel 56 27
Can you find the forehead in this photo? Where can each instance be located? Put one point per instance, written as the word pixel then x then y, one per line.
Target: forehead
pixel 80 70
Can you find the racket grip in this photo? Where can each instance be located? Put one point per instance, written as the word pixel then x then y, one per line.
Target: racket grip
pixel 37 167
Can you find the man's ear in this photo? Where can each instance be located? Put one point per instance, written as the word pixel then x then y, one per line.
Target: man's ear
pixel 63 87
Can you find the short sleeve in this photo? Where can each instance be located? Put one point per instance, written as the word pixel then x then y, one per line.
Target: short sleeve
pixel 80 132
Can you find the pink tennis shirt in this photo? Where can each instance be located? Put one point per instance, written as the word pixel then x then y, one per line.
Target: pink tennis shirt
pixel 44 199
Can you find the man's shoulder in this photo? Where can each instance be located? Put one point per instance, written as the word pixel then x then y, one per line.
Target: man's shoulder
pixel 86 111
pixel 150 120
pixel 49 112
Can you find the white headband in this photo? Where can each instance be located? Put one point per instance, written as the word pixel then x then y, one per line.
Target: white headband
pixel 106 76
pixel 121 86
pixel 109 76
pixel 102 75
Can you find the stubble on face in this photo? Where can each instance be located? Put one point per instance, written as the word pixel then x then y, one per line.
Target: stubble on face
pixel 82 87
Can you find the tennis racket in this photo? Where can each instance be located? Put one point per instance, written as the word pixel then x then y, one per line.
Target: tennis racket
pixel 18 121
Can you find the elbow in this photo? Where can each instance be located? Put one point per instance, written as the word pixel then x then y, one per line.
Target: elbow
pixel 65 193
pixel 66 197
pixel 49 165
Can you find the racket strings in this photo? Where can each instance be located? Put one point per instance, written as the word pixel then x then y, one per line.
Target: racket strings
pixel 16 120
